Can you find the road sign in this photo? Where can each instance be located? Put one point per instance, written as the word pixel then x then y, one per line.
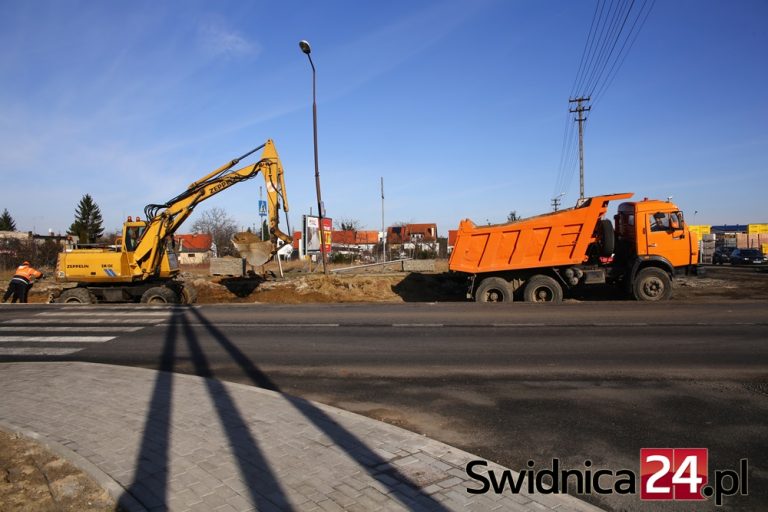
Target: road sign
pixel 262 208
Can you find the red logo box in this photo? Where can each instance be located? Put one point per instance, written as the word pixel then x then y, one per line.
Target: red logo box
pixel 673 473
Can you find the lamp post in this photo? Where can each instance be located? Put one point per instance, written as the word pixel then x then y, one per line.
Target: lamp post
pixel 304 45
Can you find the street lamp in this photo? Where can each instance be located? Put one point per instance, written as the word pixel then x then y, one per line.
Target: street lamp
pixel 304 45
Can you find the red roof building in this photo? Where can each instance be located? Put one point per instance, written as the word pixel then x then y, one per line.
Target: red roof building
pixel 193 249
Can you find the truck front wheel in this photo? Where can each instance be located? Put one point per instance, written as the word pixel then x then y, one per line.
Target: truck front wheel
pixel 652 284
pixel 493 289
pixel 542 288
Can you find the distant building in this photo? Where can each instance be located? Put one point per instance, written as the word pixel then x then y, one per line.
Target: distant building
pixel 359 243
pixel 412 237
pixel 194 249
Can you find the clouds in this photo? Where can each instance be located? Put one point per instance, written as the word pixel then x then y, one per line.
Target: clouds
pixel 217 39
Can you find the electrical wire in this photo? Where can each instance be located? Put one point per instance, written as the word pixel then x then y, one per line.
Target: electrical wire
pixel 622 55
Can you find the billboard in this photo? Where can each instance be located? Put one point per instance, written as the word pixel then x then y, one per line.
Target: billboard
pixel 312 234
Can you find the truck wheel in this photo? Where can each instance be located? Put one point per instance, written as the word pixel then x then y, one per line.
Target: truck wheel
pixel 493 289
pixel 607 238
pixel 160 295
pixel 652 284
pixel 76 296
pixel 542 289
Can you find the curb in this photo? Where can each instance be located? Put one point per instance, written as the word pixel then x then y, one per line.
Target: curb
pixel 126 502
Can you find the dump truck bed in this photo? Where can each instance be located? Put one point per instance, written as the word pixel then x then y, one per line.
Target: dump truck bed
pixel 551 240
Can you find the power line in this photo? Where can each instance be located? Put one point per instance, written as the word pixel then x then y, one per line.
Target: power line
pixel 584 52
pixel 615 35
pixel 622 56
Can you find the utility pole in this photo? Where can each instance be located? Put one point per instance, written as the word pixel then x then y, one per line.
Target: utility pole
pixel 383 233
pixel 556 201
pixel 579 110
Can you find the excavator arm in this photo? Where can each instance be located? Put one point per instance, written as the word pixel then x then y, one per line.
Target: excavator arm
pixel 164 219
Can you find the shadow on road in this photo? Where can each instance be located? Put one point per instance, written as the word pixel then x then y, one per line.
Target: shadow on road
pixel 401 488
pixel 152 474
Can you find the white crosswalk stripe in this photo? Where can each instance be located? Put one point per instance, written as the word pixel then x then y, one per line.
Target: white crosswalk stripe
pixel 57 339
pixel 37 351
pixel 78 327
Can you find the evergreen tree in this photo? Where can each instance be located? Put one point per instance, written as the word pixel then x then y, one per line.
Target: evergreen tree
pixel 6 221
pixel 88 222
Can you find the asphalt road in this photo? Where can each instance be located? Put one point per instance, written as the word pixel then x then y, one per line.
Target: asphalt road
pixel 509 382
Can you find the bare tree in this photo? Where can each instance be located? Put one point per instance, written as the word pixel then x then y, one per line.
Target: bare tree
pixel 348 224
pixel 217 223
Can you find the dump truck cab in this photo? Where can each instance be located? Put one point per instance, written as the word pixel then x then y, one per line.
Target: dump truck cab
pixel 655 232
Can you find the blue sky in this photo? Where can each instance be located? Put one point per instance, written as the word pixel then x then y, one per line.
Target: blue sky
pixel 459 105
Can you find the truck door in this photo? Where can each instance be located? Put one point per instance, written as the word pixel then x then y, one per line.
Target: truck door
pixel 666 237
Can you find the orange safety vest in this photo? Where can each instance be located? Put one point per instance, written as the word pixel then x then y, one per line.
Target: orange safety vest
pixel 28 273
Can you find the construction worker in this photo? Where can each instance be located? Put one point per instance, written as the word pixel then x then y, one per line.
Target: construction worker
pixel 21 282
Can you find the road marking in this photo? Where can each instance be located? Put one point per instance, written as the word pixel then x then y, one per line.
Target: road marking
pixel 418 325
pixel 249 324
pixel 26 351
pixel 111 313
pixel 521 325
pixel 85 321
pixel 68 329
pixel 58 339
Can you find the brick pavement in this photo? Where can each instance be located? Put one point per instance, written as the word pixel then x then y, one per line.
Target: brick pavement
pixel 162 441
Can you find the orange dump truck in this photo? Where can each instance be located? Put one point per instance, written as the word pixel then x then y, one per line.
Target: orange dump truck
pixel 539 258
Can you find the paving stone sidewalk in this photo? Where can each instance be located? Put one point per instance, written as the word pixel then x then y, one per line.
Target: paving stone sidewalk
pixel 161 441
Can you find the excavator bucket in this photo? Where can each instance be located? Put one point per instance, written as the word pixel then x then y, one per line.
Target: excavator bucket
pixel 255 251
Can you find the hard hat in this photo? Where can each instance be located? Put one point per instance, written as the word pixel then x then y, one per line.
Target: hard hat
pixel 26 263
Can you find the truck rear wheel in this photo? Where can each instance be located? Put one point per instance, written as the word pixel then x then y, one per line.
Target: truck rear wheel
pixel 652 284
pixel 76 296
pixel 160 295
pixel 493 289
pixel 542 288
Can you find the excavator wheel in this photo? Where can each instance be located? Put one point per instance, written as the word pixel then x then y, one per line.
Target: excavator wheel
pixel 160 295
pixel 76 296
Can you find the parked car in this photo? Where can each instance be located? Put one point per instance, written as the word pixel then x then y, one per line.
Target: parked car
pixel 721 255
pixel 747 257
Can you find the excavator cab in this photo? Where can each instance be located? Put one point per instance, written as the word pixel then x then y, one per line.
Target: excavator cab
pixel 132 232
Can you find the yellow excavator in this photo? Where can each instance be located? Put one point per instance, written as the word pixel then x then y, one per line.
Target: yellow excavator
pixel 143 266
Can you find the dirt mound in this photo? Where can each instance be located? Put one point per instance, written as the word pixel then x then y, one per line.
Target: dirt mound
pixel 312 288
pixel 334 288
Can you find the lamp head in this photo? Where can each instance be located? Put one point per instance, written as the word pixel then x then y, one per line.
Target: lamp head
pixel 304 45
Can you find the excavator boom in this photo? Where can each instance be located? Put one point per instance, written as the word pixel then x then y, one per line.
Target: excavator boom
pixel 143 263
